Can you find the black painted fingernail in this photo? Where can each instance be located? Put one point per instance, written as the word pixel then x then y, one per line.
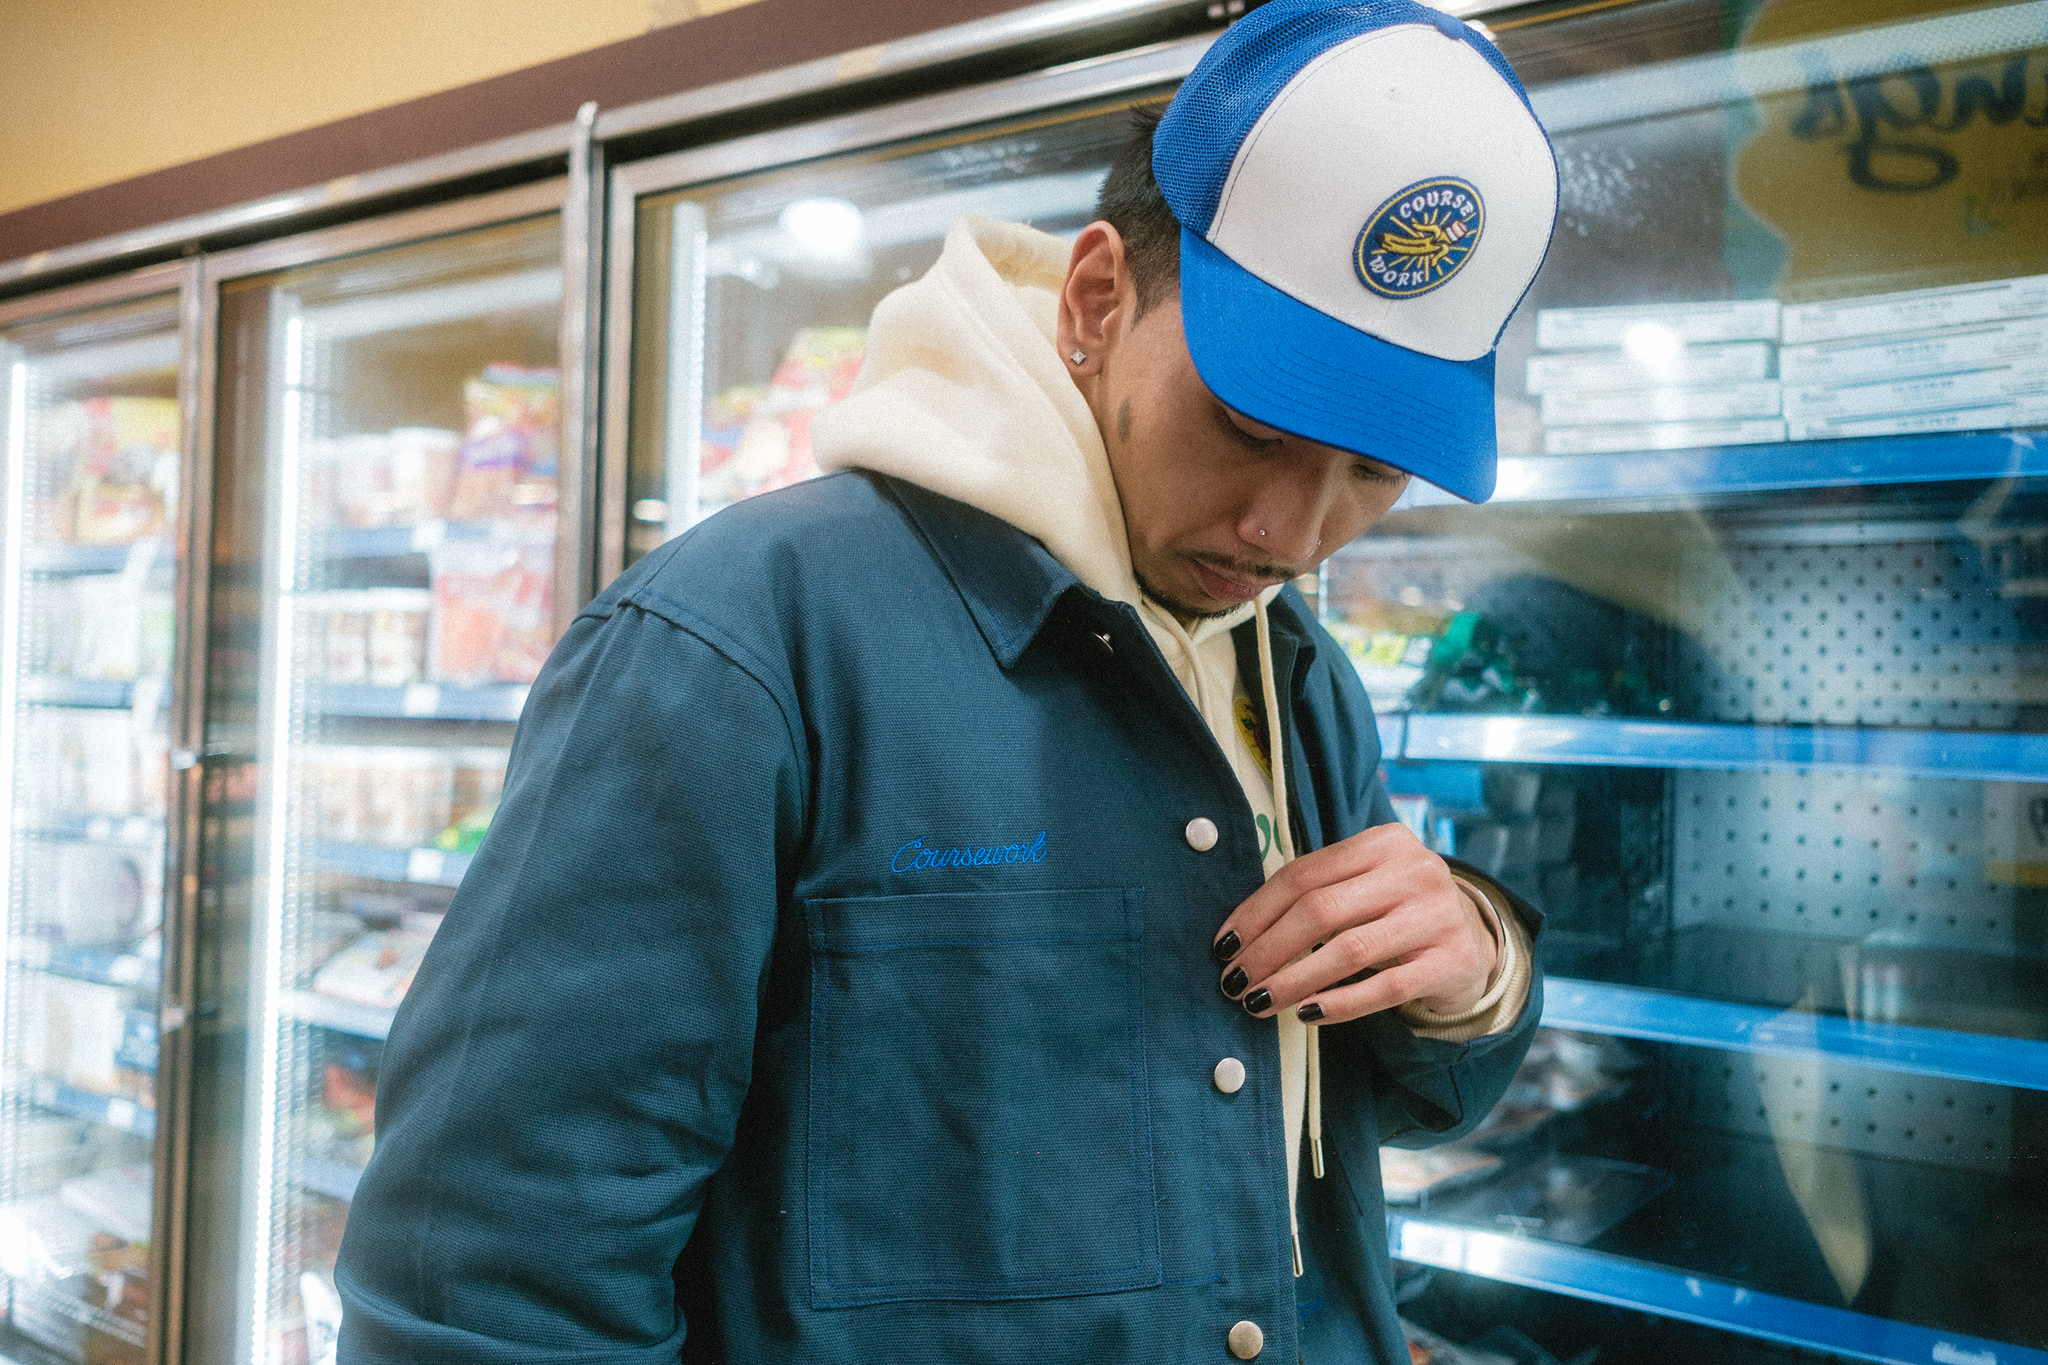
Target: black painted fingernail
pixel 1235 981
pixel 1309 1013
pixel 1257 1000
pixel 1227 946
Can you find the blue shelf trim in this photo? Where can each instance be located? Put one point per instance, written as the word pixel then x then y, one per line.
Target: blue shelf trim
pixel 1602 741
pixel 134 831
pixel 1664 1017
pixel 49 690
pixel 331 1178
pixel 1607 1278
pixel 383 542
pixel 1758 468
pixel 56 559
pixel 1393 735
pixel 426 701
pixel 114 1111
pixel 426 866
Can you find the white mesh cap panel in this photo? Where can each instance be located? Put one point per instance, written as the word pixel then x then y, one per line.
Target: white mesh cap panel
pixel 1362 122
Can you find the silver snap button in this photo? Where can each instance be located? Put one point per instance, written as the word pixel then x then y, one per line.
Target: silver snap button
pixel 1246 1340
pixel 1201 834
pixel 1229 1075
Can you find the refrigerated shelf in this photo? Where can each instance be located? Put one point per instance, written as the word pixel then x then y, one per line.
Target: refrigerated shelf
pixel 385 542
pixel 1767 468
pixel 343 1016
pixel 102 965
pixel 331 1178
pixel 1665 1017
pixel 115 1111
pixel 84 559
pixel 136 831
pixel 420 701
pixel 423 866
pixel 1628 1283
pixel 1610 742
pixel 45 689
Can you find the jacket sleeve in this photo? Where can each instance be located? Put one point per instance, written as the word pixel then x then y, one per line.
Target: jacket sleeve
pixel 567 1070
pixel 1426 1090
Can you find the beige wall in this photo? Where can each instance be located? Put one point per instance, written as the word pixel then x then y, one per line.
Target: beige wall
pixel 95 91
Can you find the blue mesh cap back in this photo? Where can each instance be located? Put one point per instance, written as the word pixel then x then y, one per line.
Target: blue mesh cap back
pixel 1247 67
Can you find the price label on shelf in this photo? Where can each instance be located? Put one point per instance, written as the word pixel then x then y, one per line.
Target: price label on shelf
pixel 121 1113
pixel 421 699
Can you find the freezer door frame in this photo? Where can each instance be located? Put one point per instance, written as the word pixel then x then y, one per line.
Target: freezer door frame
pixel 171 1146
pixel 580 261
pixel 1096 80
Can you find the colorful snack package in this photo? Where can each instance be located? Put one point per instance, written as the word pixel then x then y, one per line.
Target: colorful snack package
pixel 493 615
pixel 513 438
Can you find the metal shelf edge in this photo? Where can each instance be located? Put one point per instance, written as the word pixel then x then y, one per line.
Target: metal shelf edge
pixel 1611 1279
pixel 1600 741
pixel 1767 468
pixel 1665 1017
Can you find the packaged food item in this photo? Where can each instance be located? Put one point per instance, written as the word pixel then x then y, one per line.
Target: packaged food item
pixel 2020 412
pixel 1414 660
pixel 86 895
pixel 1603 371
pixel 1946 351
pixel 1928 393
pixel 394 796
pixel 1917 309
pixel 493 617
pixel 374 636
pixel 1577 329
pixel 112 464
pixel 1712 403
pixel 755 439
pixel 423 465
pixel 479 781
pixel 407 795
pixel 1660 436
pixel 510 453
pixel 362 479
pixel 376 969
pixel 71 1031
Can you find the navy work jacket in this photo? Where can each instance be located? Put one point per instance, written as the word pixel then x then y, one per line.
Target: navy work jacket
pixel 834 985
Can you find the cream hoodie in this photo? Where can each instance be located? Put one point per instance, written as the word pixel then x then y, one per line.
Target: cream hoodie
pixel 964 393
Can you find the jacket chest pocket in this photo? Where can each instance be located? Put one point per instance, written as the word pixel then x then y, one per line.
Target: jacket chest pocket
pixel 978 1111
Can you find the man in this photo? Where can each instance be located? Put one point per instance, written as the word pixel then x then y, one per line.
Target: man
pixel 840 978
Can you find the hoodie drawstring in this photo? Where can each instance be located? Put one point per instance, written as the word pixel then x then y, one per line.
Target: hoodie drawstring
pixel 1283 836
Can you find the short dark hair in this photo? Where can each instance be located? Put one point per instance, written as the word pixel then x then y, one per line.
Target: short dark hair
pixel 1131 203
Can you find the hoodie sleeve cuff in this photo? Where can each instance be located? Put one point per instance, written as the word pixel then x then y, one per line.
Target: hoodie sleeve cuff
pixel 1507 991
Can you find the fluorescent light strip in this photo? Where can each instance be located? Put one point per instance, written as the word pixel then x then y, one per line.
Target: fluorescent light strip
pixel 10 648
pixel 291 413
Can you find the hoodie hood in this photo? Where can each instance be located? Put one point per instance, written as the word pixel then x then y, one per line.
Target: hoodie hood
pixel 963 393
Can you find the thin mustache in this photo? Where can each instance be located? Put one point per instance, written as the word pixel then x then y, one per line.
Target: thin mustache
pixel 1241 568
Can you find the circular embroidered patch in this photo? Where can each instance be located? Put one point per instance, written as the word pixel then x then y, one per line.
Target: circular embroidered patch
pixel 1419 238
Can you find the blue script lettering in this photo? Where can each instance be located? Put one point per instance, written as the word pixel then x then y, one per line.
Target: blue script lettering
pixel 915 857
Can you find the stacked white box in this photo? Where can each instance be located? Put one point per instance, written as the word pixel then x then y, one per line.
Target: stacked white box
pixel 1968 357
pixel 1656 376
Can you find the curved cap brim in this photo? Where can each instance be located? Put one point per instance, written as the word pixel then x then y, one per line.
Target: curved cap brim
pixel 1286 365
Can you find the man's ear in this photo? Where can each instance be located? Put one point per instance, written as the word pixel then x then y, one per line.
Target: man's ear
pixel 1097 299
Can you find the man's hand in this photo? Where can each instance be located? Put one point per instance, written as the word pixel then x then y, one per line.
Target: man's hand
pixel 1378 903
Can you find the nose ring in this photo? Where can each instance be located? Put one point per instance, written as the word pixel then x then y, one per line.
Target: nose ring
pixel 1262 531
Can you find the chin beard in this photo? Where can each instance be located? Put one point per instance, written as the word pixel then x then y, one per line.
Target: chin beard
pixel 1180 609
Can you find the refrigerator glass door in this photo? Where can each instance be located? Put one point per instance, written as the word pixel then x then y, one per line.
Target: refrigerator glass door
pixel 92 434
pixel 1742 677
pixel 386 542
pixel 753 297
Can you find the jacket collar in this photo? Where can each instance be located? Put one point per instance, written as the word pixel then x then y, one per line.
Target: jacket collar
pixel 1010 583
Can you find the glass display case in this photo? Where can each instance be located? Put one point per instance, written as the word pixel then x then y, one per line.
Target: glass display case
pixel 387 532
pixel 95 404
pixel 746 273
pixel 1742 676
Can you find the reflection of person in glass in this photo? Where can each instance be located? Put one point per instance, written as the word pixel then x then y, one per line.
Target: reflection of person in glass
pixel 839 979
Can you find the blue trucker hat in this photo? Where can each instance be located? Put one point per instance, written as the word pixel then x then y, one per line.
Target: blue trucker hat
pixel 1364 196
